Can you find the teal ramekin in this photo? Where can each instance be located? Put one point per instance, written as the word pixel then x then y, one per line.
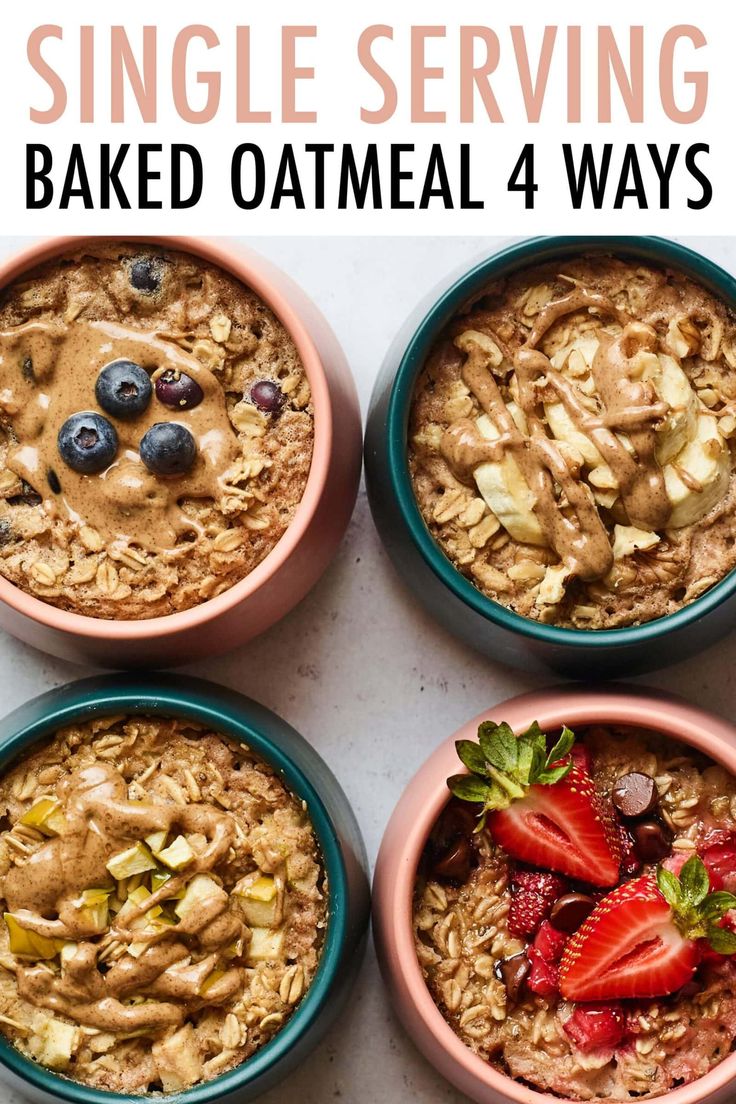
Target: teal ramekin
pixel 448 596
pixel 308 776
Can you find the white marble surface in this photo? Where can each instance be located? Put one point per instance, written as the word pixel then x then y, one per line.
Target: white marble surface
pixel 357 667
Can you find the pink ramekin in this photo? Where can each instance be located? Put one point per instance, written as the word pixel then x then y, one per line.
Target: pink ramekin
pixel 283 578
pixel 404 840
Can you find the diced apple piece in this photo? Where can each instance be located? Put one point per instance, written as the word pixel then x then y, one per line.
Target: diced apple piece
pixel 265 945
pixel 136 860
pixel 46 816
pixel 259 914
pixel 209 981
pixel 178 1062
pixel 137 900
pixel 201 888
pixel 95 907
pixel 157 840
pixel 177 855
pixel 57 1039
pixel 262 889
pixel 28 944
pixel 161 877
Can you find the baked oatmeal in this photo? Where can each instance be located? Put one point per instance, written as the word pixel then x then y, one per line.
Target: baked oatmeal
pixel 156 431
pixel 164 901
pixel 571 442
pixel 580 935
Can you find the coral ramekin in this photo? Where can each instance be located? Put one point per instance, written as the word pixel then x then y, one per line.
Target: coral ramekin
pixel 309 777
pixel 407 833
pixel 288 572
pixel 444 591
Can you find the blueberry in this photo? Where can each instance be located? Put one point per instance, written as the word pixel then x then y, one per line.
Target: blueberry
pixel 145 275
pixel 87 442
pixel 123 389
pixel 168 449
pixel 267 396
pixel 178 390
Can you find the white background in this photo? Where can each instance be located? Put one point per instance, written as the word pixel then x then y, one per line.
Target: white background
pixel 340 89
pixel 357 667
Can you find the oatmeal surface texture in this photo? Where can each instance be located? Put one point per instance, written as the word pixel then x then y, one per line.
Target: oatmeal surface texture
pixel 570 442
pixel 164 900
pixel 461 935
pixel 126 543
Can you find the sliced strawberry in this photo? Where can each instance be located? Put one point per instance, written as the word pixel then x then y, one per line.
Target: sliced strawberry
pixel 532 895
pixel 550 942
pixel 544 976
pixel 564 827
pixel 596 1025
pixel 675 862
pixel 581 755
pixel 720 862
pixel 630 861
pixel 629 946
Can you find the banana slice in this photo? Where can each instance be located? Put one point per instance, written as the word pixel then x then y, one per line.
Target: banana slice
pixel 506 492
pixel 705 464
pixel 673 434
pixel 564 429
pixel 680 424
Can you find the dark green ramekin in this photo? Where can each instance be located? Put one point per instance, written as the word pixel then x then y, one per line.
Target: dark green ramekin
pixel 444 591
pixel 308 776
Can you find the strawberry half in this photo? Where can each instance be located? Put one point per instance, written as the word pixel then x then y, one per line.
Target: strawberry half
pixel 540 806
pixel 642 939
pixel 563 828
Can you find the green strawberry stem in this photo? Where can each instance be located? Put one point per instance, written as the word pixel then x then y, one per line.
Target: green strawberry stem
pixel 695 910
pixel 502 766
pixel 508 784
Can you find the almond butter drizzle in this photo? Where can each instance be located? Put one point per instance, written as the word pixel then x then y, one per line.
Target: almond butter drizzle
pixel 575 531
pixel 44 894
pixel 125 502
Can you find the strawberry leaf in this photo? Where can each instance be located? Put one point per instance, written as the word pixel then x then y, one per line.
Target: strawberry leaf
pixel 563 746
pixel 717 904
pixel 539 758
pixel 721 940
pixel 694 881
pixel 471 756
pixel 499 745
pixel 503 766
pixel 669 887
pixel 469 788
pixel 550 775
pixel 525 764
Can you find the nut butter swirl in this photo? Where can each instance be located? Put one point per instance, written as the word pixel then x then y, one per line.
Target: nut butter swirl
pixel 49 371
pixel 570 521
pixel 45 896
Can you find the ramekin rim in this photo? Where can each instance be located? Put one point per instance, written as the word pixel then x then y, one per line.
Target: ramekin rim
pixel 643 708
pixel 513 257
pixel 96 697
pixel 252 270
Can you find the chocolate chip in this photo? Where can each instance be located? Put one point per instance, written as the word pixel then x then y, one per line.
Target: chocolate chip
pixel 569 911
pixel 6 535
pixel 651 841
pixel 26 369
pixel 459 818
pixel 513 972
pixel 54 483
pixel 455 862
pixel 635 794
